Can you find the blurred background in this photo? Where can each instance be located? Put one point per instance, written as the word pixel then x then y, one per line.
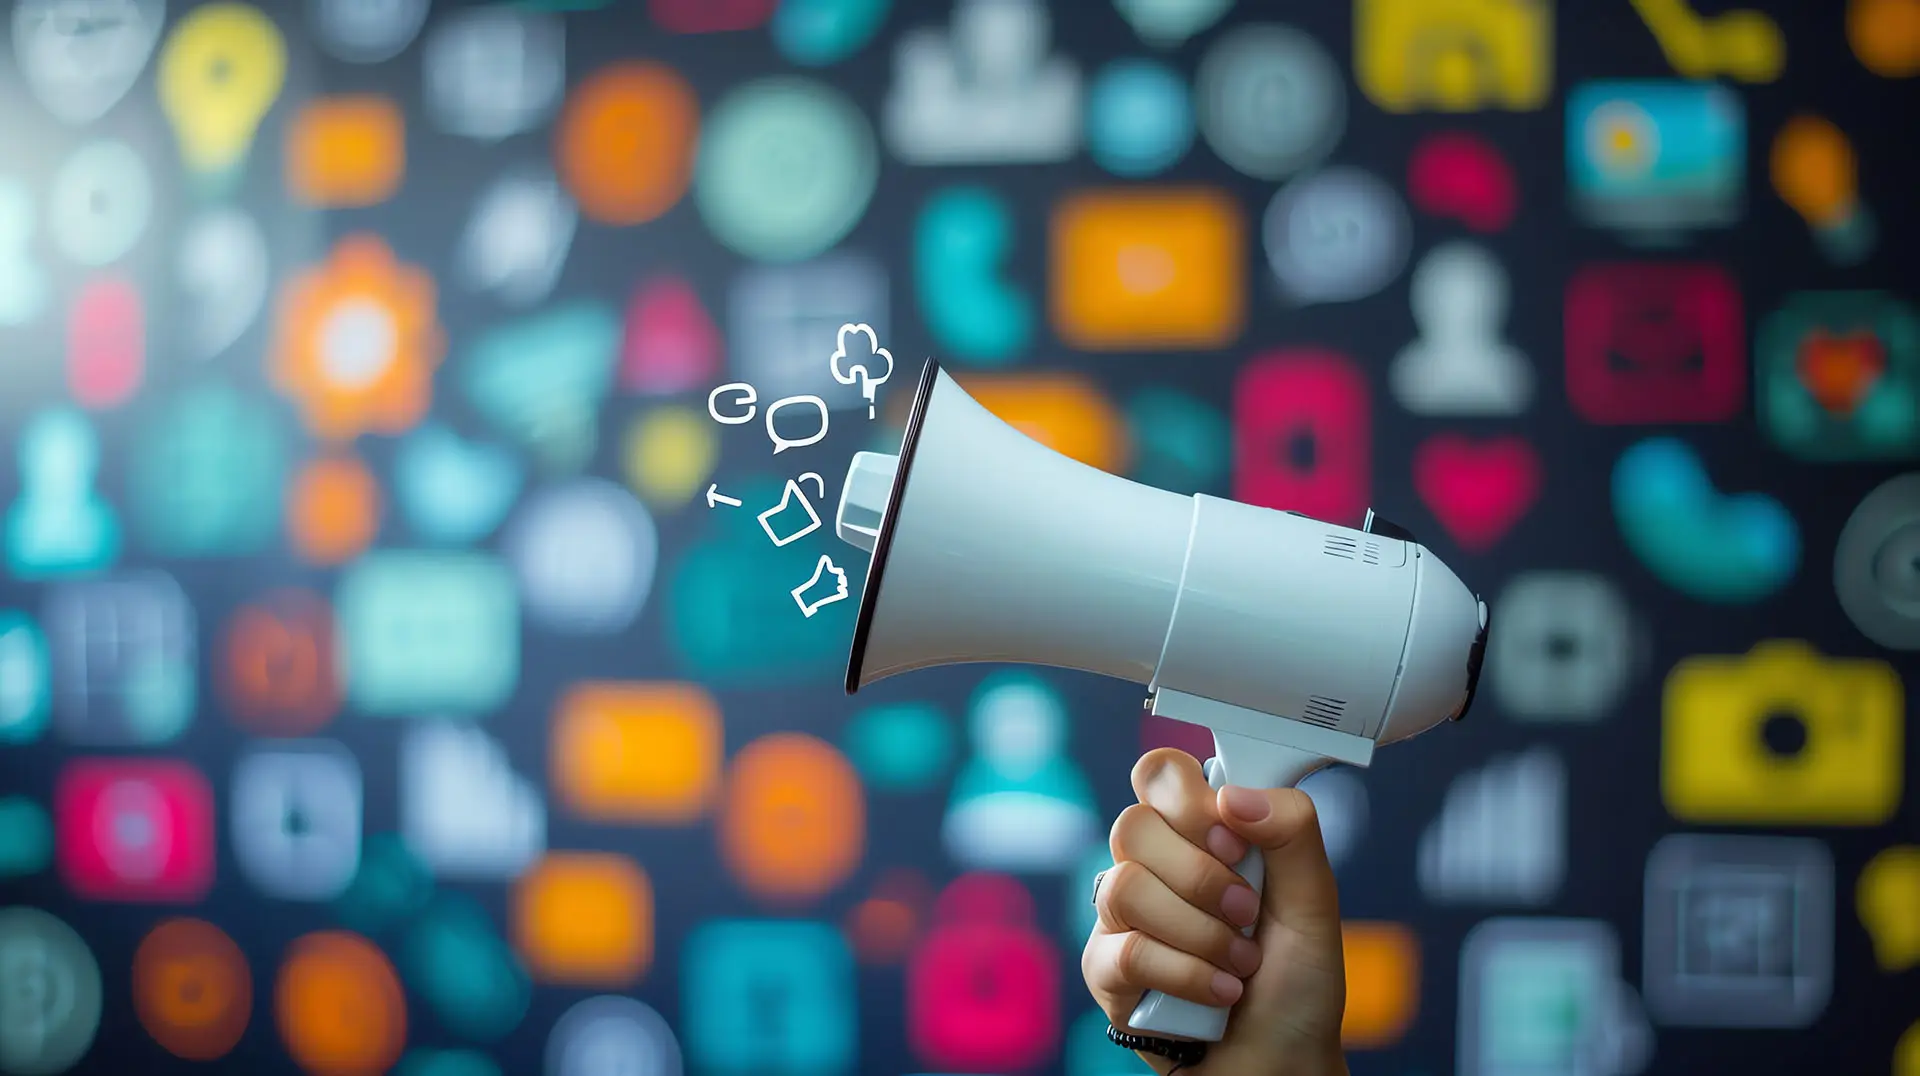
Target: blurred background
pixel 414 654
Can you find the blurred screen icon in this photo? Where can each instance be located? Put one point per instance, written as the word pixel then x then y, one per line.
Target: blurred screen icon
pixel 985 91
pixel 80 57
pixel 124 657
pixel 295 808
pixel 1021 802
pixel 492 71
pixel 1541 996
pixel 1739 931
pixel 1461 363
pixel 518 238
pixel 1876 564
pixel 585 554
pixel 101 203
pixel 59 524
pixel 339 1004
pixel 1656 159
pixel 465 812
pixel 983 989
pixel 280 676
pixel 1302 435
pixel 1145 270
pixel 637 752
pixel 1501 834
pixel 428 632
pixel 1839 377
pixel 25 287
pixel 793 821
pixel 1335 236
pixel 456 960
pixel 134 830
pixel 585 919
pixel 50 993
pixel 1728 549
pixel 761 996
pixel 1783 735
pixel 192 989
pixel 611 1035
pixel 1383 983
pixel 1567 648
pixel 26 679
pixel 819 33
pixel 783 321
pixel 711 16
pixel 1270 101
pixel 963 242
pixel 366 31
pixel 208 474
pixel 1460 56
pixel 1655 343
pixel 453 491
pixel 391 888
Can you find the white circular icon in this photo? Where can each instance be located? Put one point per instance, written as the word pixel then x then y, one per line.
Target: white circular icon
pixel 1270 101
pixel 1336 236
pixel 366 31
pixel 585 553
pixel 612 1036
pixel 101 202
pixel 49 994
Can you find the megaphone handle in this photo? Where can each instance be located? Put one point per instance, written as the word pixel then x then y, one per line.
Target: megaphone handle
pixel 1250 763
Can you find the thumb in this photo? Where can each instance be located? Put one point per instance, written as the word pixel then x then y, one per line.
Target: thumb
pixel 1282 823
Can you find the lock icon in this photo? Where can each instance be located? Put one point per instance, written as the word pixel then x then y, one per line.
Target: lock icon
pixel 983 990
pixel 793 492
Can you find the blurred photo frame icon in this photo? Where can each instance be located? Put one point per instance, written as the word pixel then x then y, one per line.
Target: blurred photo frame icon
pixel 123 651
pixel 1656 159
pixel 1542 996
pixel 1739 931
pixel 1567 649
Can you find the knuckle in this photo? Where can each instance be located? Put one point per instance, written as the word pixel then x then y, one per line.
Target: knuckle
pixel 1131 958
pixel 1127 828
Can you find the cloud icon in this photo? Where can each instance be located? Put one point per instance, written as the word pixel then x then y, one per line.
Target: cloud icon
pixel 861 364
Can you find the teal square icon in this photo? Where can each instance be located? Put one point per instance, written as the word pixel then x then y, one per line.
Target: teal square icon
pixel 424 631
pixel 769 996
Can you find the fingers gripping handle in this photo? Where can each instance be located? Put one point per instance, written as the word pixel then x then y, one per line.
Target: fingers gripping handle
pixel 1250 763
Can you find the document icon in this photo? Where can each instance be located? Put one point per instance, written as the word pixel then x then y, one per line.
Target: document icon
pixel 784 511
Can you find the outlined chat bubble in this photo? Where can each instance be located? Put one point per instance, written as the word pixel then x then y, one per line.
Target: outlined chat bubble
pixel 1336 235
pixel 781 444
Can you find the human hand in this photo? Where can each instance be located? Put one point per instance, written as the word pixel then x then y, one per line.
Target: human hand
pixel 1171 909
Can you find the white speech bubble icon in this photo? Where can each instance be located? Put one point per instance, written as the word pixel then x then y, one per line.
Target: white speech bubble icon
pixel 781 444
pixel 1336 236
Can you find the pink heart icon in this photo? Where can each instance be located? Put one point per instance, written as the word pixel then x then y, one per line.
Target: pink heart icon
pixel 1477 489
pixel 671 345
pixel 106 343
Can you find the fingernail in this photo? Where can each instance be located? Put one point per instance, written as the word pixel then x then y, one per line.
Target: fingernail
pixel 1240 905
pixel 1226 846
pixel 1247 804
pixel 1245 955
pixel 1226 988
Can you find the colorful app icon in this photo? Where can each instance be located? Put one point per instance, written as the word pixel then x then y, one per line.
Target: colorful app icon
pixel 1567 648
pixel 1067 412
pixel 1876 564
pixel 100 203
pixel 783 320
pixel 1460 176
pixel 1783 735
pixel 539 381
pixel 455 959
pixel 106 342
pixel 605 1035
pixel 1838 377
pixel 77 70
pixel 1726 549
pixel 671 344
pixel 346 152
pixel 820 33
pixel 900 747
pixel 1335 236
pixel 584 552
pixel 711 16
pixel 1020 801
pixel 517 240
pixel 223 277
pixel 1478 490
pixel 1167 24
pixel 625 142
pixel 963 244
pixel 206 477
pixel 295 810
pixel 279 675
pixel 134 830
pixel 228 60
pixel 1546 995
pixel 1739 931
pixel 124 653
pixel 637 752
pixel 1461 361
pixel 357 32
pixel 1501 834
pixel 1302 435
pixel 585 919
pixel 1383 983
pixel 391 887
pixel 1887 898
pixel 464 810
pixel 983 990
pixel 1181 443
pixel 768 996
pixel 1270 101
pixel 334 509
pixel 1145 270
pixel 1655 343
pixel 960 96
pixel 1656 159
pixel 26 679
pixel 428 632
pixel 192 989
pixel 785 170
pixel 1139 118
pixel 793 824
pixel 493 72
pixel 886 925
pixel 339 1004
pixel 59 525
pixel 1454 56
pixel 26 838
pixel 453 491
pixel 418 1062
pixel 50 1007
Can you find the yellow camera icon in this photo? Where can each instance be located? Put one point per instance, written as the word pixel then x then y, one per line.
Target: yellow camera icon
pixel 1782 736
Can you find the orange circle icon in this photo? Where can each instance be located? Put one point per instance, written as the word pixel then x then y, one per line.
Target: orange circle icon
pixel 279 670
pixel 333 510
pixel 794 823
pixel 1885 35
pixel 192 989
pixel 625 142
pixel 340 1006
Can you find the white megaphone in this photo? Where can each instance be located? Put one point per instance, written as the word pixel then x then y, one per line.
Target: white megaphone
pixel 1299 643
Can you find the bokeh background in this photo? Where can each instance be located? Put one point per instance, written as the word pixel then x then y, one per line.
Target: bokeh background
pixel 388 677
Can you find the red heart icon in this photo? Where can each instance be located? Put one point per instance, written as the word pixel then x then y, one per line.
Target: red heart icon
pixel 1839 370
pixel 1477 489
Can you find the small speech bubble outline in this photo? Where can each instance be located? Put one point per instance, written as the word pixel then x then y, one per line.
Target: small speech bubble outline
pixel 858 372
pixel 746 396
pixel 781 444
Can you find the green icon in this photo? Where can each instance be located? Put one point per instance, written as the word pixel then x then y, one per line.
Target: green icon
pixel 25 679
pixel 1838 376
pixel 429 632
pixel 786 168
pixel 905 747
pixel 446 1063
pixel 49 994
pixel 60 525
pixel 26 838
pixel 390 887
pixel 457 961
pixel 206 473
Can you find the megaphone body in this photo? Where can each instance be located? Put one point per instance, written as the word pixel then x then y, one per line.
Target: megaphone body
pixel 1297 642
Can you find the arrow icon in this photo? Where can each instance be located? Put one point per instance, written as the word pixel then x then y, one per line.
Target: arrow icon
pixel 715 497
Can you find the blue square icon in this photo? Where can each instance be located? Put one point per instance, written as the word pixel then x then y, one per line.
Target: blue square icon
pixel 1656 158
pixel 769 996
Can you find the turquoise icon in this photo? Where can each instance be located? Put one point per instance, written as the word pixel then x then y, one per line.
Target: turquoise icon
pixel 1181 444
pixel 1729 550
pixel 390 887
pixel 26 837
pixel 1838 377
pixel 455 959
pixel 541 380
pixel 786 168
pixel 1139 119
pixel 446 1063
pixel 206 475
pixel 428 632
pixel 903 747
pixel 451 491
pixel 962 244
pixel 26 679
pixel 1020 804
pixel 768 996
pixel 59 525
pixel 817 33
pixel 1091 1053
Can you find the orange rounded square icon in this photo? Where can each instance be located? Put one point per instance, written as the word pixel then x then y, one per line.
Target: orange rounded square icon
pixel 637 752
pixel 584 919
pixel 346 152
pixel 1140 270
pixel 1066 412
pixel 1383 983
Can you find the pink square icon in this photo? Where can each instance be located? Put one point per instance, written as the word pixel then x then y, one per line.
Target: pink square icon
pixel 1654 343
pixel 134 830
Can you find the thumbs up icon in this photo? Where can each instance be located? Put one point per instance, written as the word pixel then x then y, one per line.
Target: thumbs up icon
pixel 838 587
pixel 793 491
